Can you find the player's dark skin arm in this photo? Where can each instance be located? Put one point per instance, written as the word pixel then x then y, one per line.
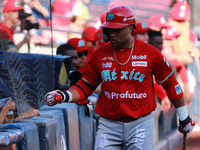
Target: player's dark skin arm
pixel 75 95
pixel 178 102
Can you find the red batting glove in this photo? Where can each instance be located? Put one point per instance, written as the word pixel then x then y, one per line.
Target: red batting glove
pixel 186 125
pixel 54 97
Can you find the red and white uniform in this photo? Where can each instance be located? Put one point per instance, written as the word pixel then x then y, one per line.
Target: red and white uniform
pixel 127 90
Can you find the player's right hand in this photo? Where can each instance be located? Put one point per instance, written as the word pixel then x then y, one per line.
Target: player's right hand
pixel 186 125
pixel 54 97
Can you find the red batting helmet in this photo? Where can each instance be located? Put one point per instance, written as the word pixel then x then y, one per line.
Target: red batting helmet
pixel 141 27
pixel 89 33
pixel 157 22
pixel 78 43
pixel 180 12
pixel 119 16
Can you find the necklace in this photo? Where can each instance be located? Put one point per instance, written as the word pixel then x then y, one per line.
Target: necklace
pixel 128 58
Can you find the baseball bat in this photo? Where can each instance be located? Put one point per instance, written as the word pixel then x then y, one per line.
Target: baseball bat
pixel 184 141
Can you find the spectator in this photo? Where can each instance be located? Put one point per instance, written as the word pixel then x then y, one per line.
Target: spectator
pixel 39 10
pixel 40 14
pixel 13 14
pixel 10 106
pixel 8 45
pixel 180 16
pixel 62 8
pixel 158 23
pixel 79 19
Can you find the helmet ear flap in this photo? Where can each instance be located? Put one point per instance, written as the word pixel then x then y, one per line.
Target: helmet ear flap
pixel 105 37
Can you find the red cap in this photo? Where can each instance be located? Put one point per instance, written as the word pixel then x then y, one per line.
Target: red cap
pixel 99 37
pixel 171 33
pixel 180 11
pixel 78 44
pixel 156 22
pixel 141 27
pixel 12 5
pixel 89 33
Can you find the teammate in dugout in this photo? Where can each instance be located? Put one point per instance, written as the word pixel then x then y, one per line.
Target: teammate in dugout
pixel 127 96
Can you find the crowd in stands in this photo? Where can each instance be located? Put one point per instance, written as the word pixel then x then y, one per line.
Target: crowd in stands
pixel 172 36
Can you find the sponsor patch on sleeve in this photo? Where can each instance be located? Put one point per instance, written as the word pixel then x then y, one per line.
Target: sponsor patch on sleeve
pixel 178 89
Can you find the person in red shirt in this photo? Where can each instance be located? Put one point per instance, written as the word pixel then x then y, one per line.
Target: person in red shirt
pixel 125 68
pixel 11 11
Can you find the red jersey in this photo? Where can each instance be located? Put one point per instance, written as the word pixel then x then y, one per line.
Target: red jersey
pixel 127 90
pixel 6 32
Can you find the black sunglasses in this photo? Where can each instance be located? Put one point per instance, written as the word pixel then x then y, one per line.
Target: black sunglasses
pixel 80 54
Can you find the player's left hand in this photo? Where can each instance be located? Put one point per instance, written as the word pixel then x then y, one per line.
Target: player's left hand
pixel 165 104
pixel 186 125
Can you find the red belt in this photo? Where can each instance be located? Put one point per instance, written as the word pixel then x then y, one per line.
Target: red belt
pixel 129 119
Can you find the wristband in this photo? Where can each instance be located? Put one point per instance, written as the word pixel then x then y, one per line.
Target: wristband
pixel 182 113
pixel 185 122
pixel 67 96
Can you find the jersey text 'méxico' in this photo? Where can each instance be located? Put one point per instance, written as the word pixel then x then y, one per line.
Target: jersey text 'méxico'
pixel 127 90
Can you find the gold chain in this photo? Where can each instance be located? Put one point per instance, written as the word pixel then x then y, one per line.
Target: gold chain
pixel 128 58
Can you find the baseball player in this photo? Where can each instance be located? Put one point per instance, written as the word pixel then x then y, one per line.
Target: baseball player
pixel 125 67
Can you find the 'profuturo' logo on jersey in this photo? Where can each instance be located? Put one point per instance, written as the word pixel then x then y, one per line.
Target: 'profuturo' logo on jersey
pixel 126 95
pixel 134 57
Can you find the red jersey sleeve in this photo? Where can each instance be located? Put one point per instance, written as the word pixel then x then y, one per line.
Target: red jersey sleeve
pixel 161 68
